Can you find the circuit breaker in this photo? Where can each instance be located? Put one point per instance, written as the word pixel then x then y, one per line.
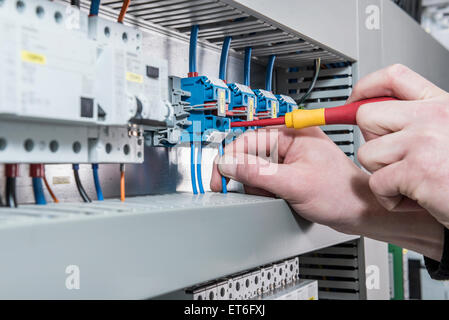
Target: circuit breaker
pixel 46 63
pixel 76 89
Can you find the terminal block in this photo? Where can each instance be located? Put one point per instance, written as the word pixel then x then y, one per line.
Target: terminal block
pixel 243 102
pixel 267 104
pixel 170 135
pixel 208 106
pixel 286 104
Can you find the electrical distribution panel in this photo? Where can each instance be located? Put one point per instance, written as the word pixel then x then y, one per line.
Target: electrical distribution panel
pixel 75 89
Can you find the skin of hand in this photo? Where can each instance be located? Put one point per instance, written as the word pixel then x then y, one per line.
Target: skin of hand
pixel 322 185
pixel 408 141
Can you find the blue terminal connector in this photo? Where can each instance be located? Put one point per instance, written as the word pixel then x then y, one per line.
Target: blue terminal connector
pixel 286 104
pixel 208 103
pixel 267 104
pixel 243 104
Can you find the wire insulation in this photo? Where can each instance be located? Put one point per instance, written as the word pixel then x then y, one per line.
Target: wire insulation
pixel 11 172
pixel 192 168
pixel 125 6
pixel 247 70
pixel 259 123
pixel 122 182
pixel 198 168
pixel 192 49
pixel 224 57
pixel 38 190
pixel 11 192
pixel 79 185
pixel 50 191
pixel 269 76
pixel 97 182
pixel 317 68
pixel 224 188
pixel 94 7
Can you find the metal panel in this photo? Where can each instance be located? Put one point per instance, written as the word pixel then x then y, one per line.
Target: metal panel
pixel 118 247
pixel 218 19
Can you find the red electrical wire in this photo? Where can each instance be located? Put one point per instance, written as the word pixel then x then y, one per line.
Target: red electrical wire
pixel 125 6
pixel 259 123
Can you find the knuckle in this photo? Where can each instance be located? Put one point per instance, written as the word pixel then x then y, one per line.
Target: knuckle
pixel 394 75
pixel 375 183
pixel 362 155
pixel 364 115
pixel 396 70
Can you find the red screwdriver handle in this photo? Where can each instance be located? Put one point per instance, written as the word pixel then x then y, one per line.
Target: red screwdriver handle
pixel 347 114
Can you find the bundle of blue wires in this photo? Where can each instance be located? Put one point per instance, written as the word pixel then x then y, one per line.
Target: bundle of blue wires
pixel 192 72
pixel 247 70
pixel 269 77
pixel 192 49
pixel 97 182
pixel 198 168
pixel 224 57
pixel 38 190
pixel 222 75
pixel 192 167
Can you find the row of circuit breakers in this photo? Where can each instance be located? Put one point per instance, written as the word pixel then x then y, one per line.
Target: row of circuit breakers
pixel 77 88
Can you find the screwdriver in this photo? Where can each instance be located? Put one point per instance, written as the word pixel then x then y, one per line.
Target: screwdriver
pixel 299 119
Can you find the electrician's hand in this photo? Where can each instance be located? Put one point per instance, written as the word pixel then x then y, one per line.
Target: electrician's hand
pixel 317 179
pixel 408 141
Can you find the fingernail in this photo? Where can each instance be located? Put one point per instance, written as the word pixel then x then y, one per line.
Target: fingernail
pixel 227 165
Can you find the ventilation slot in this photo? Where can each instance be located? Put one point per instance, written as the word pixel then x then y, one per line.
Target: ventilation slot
pixel 332 89
pixel 218 19
pixel 336 269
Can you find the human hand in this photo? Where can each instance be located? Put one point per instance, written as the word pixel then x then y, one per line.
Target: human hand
pixel 408 141
pixel 318 180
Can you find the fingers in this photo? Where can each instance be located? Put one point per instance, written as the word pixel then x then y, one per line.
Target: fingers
pixel 388 184
pixel 385 184
pixel 395 81
pixel 215 182
pixel 384 150
pixel 380 118
pixel 255 173
pixel 265 142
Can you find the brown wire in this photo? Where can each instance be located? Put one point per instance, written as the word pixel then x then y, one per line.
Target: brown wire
pixel 50 191
pixel 125 6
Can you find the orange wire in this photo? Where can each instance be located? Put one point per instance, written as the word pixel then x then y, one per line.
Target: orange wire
pixel 122 186
pixel 47 185
pixel 125 6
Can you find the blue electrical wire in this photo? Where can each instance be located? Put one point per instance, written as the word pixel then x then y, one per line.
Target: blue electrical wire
pixel 224 57
pixel 192 167
pixel 94 7
pixel 192 49
pixel 269 77
pixel 224 188
pixel 198 168
pixel 247 71
pixel 38 190
pixel 97 182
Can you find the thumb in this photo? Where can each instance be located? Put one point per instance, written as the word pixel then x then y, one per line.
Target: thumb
pixel 256 172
